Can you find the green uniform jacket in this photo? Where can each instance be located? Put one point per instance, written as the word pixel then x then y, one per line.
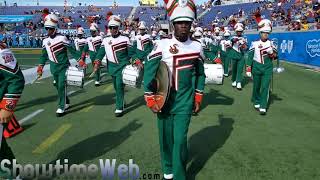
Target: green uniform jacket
pixel 93 45
pixel 118 52
pixel 185 63
pixel 11 78
pixel 56 50
pixel 142 47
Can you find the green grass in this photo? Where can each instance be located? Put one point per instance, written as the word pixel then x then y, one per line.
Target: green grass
pixel 27 58
pixel 227 140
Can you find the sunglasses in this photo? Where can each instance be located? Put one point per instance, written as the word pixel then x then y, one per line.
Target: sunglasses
pixel 48 28
pixel 113 27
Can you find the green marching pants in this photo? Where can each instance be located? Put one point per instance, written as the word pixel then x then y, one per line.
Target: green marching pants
pixel 173 130
pixel 5 153
pixel 119 88
pixel 237 69
pixel 262 74
pixel 226 64
pixel 97 75
pixel 61 85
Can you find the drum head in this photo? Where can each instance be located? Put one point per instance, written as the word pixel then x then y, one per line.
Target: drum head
pixel 163 84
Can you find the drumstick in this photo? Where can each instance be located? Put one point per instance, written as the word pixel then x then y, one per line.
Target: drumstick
pixel 38 77
pixel 92 74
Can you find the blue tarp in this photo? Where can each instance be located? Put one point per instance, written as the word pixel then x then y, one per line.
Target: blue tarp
pixel 300 47
pixel 14 18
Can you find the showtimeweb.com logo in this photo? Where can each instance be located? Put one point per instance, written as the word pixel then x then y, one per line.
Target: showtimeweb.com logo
pixel 313 47
pixel 106 169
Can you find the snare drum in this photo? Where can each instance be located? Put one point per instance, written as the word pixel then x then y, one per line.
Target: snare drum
pixel 132 76
pixel 75 76
pixel 214 73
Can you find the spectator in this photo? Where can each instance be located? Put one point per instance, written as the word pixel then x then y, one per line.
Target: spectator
pixel 31 40
pixel 318 24
pixel 17 40
pixel 297 25
pixel 305 25
pixel 10 41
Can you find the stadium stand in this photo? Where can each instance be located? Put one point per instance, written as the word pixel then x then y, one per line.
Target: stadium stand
pixel 290 15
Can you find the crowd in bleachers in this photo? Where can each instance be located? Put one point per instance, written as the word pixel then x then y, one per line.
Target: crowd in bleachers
pixel 70 17
pixel 291 14
pixel 296 15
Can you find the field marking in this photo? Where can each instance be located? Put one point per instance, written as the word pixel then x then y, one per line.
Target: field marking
pixel 85 84
pixel 31 58
pixel 27 66
pixel 107 89
pixel 52 139
pixel 71 92
pixel 87 109
pixel 30 116
pixel 314 70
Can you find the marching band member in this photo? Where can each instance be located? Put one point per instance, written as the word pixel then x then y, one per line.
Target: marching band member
pixel 198 36
pixel 154 36
pixel 102 34
pixel 142 44
pixel 239 47
pixel 225 46
pixel 133 34
pixel 118 51
pixel 207 37
pixel 162 35
pixel 260 57
pixel 80 41
pixel 55 49
pixel 183 57
pixel 124 33
pixel 192 30
pixel 216 37
pixel 93 45
pixel 11 87
pixel 211 51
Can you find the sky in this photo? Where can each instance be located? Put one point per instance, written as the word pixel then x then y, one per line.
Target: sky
pixel 75 2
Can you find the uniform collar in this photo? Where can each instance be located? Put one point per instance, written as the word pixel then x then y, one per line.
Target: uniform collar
pixel 179 42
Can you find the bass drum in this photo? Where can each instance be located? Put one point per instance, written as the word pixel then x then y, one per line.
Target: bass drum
pixel 214 73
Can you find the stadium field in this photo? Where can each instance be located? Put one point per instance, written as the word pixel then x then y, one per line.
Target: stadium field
pixel 227 140
pixel 27 58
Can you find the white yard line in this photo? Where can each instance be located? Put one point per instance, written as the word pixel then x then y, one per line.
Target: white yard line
pixel 30 116
pixel 71 92
pixel 86 83
pixel 314 70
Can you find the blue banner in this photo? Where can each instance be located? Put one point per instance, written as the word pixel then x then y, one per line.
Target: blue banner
pixel 300 47
pixel 14 18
